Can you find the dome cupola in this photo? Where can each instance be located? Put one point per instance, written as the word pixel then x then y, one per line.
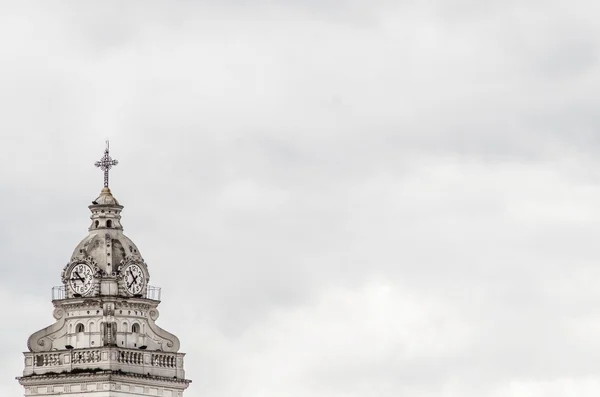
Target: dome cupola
pixel 109 259
pixel 104 340
pixel 106 211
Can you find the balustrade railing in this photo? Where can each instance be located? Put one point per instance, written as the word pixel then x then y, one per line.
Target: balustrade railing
pixel 164 360
pixel 153 293
pixel 47 360
pixel 86 357
pixel 59 293
pixel 134 360
pixel 129 357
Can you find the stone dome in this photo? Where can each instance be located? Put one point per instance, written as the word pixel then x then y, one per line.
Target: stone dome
pixel 109 261
pixel 108 249
pixel 106 244
pixel 105 198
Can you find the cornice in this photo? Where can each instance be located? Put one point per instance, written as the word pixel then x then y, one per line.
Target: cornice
pixel 97 301
pixel 92 377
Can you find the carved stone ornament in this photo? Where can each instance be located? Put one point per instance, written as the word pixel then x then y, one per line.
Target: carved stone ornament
pixel 58 313
pixel 104 336
pixel 99 273
pixel 153 314
pixel 130 260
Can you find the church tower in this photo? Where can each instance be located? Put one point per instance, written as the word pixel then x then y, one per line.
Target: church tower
pixel 105 341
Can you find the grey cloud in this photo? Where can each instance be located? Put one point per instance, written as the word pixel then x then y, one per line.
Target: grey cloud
pixel 285 164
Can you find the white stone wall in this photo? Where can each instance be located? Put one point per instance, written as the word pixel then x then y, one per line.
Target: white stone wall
pixel 102 389
pixel 141 362
pixel 105 343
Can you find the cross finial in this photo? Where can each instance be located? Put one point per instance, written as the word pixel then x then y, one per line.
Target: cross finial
pixel 105 164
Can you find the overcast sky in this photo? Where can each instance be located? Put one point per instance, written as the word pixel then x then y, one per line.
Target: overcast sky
pixel 338 198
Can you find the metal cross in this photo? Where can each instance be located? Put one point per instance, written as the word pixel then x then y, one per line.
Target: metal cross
pixel 105 164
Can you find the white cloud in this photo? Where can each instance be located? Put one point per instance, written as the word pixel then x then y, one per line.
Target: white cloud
pixel 337 198
pixel 565 387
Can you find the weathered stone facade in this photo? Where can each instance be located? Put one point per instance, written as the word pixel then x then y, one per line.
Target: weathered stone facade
pixel 105 341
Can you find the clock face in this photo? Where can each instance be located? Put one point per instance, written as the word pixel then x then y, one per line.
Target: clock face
pixel 134 279
pixel 81 278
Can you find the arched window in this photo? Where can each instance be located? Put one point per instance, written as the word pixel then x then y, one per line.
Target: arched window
pixel 79 328
pixel 109 223
pixel 92 327
pixel 135 328
pixel 96 224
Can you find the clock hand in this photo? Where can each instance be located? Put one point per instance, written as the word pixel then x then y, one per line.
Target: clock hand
pixel 134 277
pixel 79 277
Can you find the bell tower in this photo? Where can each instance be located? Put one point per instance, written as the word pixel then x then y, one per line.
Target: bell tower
pixel 105 341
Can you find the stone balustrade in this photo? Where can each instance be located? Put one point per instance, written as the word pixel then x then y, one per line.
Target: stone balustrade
pixel 107 358
pixel 164 360
pixel 85 357
pixel 130 357
pixel 47 360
